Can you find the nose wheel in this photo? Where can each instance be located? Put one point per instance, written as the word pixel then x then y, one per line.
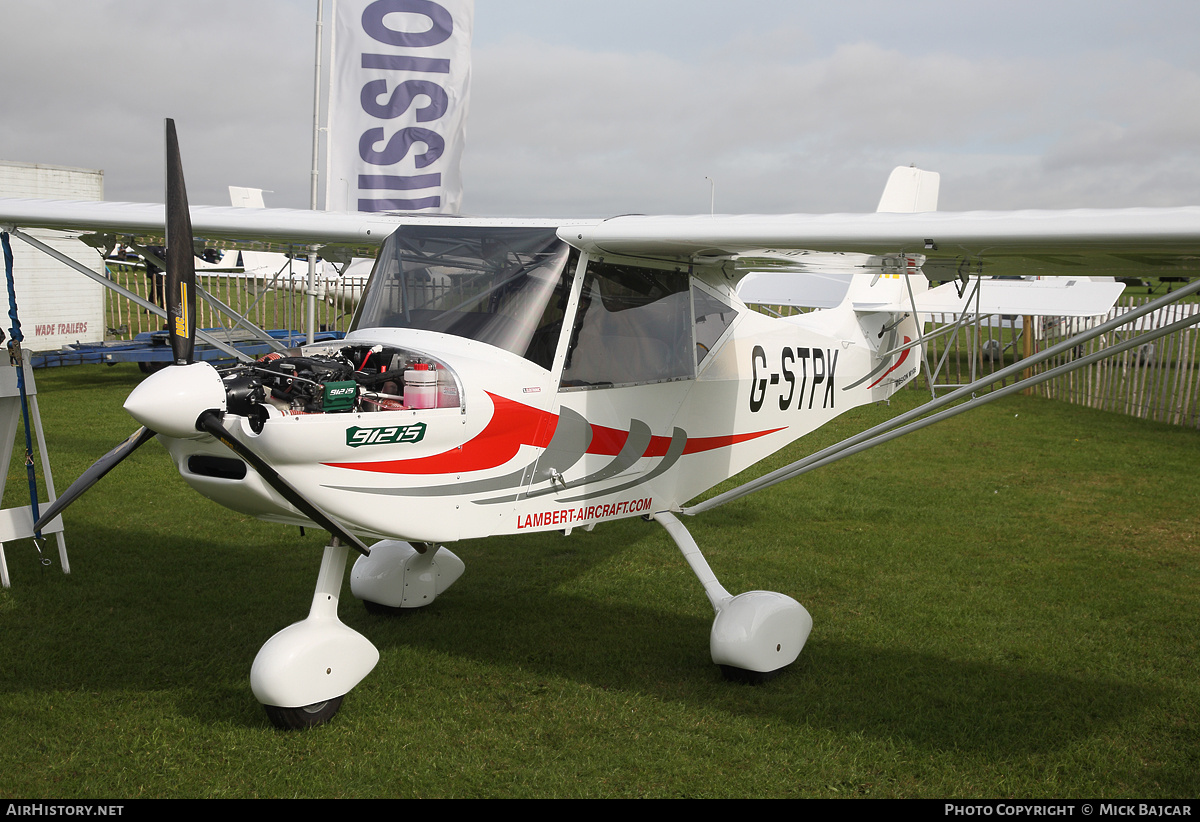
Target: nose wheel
pixel 299 719
pixel 303 672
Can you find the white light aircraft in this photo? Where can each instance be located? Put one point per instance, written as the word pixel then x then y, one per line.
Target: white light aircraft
pixel 506 376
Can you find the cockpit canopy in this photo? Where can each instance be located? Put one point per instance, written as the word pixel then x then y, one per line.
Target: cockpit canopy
pixel 511 287
pixel 506 287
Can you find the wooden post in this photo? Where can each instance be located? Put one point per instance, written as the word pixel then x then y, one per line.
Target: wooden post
pixel 1026 348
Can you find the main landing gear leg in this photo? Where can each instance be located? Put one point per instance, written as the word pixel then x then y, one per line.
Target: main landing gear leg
pixel 755 635
pixel 301 674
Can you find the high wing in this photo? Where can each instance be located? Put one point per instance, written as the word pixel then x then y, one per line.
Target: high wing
pixel 339 235
pixel 951 244
pixel 269 229
pixel 1005 243
pixel 963 247
pixel 1002 243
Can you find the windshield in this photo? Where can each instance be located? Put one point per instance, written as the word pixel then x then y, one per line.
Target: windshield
pixel 502 286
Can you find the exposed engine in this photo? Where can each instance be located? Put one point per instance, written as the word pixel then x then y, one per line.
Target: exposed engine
pixel 354 378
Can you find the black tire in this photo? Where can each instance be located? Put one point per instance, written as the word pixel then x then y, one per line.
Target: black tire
pixel 151 367
pixel 384 610
pixel 733 674
pixel 308 716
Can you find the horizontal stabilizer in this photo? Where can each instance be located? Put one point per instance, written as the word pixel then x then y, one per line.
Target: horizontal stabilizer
pixel 1051 297
pixel 242 197
pixel 805 290
pixel 266 264
pixel 1058 297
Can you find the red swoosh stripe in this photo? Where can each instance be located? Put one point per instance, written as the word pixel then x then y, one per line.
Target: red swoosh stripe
pixel 514 424
pixel 610 441
pixel 899 363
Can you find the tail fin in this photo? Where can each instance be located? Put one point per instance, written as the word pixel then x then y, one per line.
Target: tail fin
pixel 910 190
pixel 819 280
pixel 242 197
pixel 882 296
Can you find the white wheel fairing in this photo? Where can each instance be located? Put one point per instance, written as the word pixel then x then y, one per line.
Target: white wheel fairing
pixel 760 631
pixel 319 658
pixel 398 576
pixel 310 662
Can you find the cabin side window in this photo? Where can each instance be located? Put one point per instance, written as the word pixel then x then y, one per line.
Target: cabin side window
pixel 713 318
pixel 634 325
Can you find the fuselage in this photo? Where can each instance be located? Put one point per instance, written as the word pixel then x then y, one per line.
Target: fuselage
pixel 539 388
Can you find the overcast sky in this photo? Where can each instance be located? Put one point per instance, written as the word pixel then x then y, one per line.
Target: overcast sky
pixel 590 108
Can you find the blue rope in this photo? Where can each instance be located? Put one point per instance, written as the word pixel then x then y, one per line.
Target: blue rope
pixel 14 347
pixel 12 292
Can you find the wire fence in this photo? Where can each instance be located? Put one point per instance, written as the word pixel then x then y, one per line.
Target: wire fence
pixel 1156 381
pixel 269 302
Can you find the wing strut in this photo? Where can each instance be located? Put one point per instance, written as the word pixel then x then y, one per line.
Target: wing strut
pixel 215 302
pixel 124 292
pixel 882 433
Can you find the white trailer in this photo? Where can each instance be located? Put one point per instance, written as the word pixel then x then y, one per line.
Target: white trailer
pixel 57 306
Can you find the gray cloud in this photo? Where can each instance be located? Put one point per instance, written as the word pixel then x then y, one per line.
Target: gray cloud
pixel 590 109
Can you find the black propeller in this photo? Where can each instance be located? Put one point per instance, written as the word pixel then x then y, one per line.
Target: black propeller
pixel 202 391
pixel 181 318
pixel 91 476
pixel 210 421
pixel 181 264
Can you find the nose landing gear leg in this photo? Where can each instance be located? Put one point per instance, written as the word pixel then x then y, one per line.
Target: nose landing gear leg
pixel 302 673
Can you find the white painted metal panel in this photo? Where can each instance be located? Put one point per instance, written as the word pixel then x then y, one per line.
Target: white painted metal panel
pixel 57 306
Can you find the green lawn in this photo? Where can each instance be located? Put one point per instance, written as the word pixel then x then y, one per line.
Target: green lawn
pixel 1005 605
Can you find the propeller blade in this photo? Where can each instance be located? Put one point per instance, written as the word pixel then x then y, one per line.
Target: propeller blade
pixel 91 476
pixel 210 421
pixel 181 266
pixel 181 318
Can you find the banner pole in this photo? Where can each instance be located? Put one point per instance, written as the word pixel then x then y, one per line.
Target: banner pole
pixel 310 320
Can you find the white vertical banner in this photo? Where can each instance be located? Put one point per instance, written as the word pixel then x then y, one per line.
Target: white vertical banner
pixel 399 80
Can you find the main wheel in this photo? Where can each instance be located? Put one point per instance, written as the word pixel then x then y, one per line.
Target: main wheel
pixel 308 716
pixel 733 674
pixel 379 609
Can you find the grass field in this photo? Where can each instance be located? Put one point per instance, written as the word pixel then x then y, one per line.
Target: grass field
pixel 1005 605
